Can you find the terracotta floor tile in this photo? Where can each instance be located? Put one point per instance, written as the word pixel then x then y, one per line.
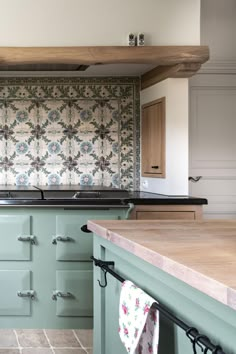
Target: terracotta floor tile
pixel 32 338
pixel 48 341
pixel 70 351
pixel 62 338
pixel 89 351
pixel 85 336
pixel 8 338
pixel 37 351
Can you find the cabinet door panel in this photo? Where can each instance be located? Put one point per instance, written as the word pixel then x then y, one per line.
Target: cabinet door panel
pixel 153 138
pixel 79 247
pixel 80 284
pixel 11 282
pixel 13 226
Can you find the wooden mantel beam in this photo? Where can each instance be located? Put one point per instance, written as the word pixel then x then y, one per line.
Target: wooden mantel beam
pixel 168 71
pixel 92 55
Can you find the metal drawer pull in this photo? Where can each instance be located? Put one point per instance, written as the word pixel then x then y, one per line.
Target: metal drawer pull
pixel 154 166
pixel 61 238
pixel 58 293
pixel 30 239
pixel 26 293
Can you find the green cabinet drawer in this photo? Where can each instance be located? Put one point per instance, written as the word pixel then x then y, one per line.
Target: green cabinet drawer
pixel 73 244
pixel 75 293
pixel 12 282
pixel 14 233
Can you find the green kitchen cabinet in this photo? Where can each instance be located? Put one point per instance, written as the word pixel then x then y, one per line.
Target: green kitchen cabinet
pixel 32 263
pixel 16 293
pixel 74 293
pixel 73 244
pixel 195 308
pixel 15 238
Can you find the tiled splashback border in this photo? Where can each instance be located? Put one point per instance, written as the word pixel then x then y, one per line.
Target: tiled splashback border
pixel 70 131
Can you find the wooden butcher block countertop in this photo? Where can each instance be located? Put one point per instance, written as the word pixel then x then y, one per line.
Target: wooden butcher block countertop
pixel 200 253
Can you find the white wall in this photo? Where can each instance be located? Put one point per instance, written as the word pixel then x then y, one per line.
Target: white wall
pixel 213 109
pixel 218 28
pixel 93 22
pixel 176 93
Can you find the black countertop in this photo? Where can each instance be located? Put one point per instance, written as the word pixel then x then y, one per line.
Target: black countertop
pixel 139 197
pixel 39 196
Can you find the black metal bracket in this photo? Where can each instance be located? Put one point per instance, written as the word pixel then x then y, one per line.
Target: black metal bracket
pixel 100 263
pixel 103 265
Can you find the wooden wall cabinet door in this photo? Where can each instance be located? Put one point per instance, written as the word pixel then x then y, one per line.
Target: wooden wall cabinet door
pixel 153 138
pixel 167 212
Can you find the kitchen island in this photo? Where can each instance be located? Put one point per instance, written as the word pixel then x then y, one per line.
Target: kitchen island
pixel 188 266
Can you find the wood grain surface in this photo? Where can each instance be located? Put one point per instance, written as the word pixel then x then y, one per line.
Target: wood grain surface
pixel 159 55
pixel 200 253
pixel 169 61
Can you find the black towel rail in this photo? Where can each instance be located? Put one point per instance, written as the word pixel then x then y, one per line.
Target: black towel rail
pixel 192 333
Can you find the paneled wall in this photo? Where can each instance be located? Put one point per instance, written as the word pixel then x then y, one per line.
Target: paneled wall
pixel 69 131
pixel 212 143
pixel 213 112
pixel 218 28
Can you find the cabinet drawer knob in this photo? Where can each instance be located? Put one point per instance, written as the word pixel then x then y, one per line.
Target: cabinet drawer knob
pixel 58 293
pixel 30 239
pixel 26 293
pixel 61 239
pixel 84 228
pixel 155 167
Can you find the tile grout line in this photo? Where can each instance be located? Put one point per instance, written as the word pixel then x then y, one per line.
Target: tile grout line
pixel 88 348
pixel 79 341
pixel 44 331
pixel 51 348
pixel 17 339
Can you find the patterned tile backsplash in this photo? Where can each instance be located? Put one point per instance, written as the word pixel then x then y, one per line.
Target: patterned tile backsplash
pixel 69 131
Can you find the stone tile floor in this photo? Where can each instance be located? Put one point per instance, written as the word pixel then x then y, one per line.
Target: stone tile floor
pixel 46 341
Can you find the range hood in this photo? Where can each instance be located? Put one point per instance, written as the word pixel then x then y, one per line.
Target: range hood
pixel 152 63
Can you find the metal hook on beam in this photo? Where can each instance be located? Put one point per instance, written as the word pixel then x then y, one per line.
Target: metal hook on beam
pixel 105 278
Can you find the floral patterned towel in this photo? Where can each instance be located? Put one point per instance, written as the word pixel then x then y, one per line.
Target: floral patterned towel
pixel 138 321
